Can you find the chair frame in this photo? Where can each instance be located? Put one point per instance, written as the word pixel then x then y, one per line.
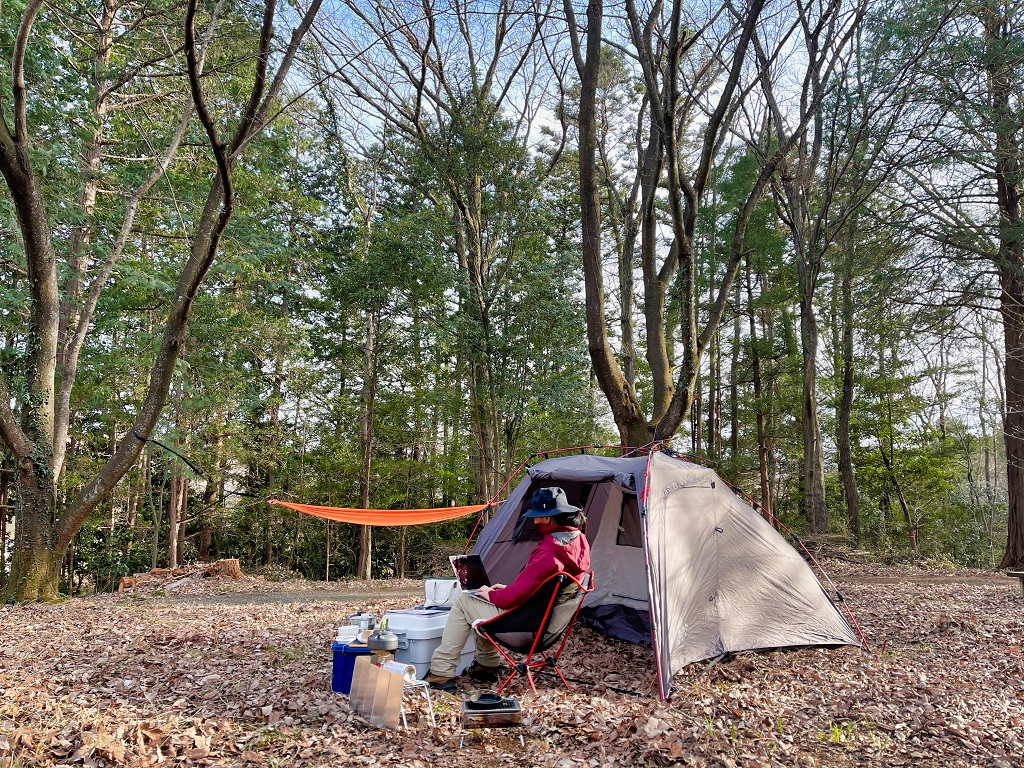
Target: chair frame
pixel 585 584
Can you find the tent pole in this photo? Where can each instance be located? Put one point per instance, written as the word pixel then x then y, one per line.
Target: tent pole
pixel 642 507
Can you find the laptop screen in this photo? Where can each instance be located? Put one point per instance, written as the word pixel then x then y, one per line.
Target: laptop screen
pixel 470 571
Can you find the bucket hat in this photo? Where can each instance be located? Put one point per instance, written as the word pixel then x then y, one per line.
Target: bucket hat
pixel 548 502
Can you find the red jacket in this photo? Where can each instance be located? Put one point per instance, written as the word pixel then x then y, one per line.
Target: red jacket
pixel 564 549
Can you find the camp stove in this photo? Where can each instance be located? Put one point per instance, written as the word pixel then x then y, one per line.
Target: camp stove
pixel 489 710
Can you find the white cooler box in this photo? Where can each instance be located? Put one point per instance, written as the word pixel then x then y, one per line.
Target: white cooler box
pixel 419 633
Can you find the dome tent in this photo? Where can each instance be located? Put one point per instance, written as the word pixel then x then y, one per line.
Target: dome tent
pixel 679 560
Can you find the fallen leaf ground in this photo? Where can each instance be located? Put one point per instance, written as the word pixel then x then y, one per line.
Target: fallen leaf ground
pixel 238 673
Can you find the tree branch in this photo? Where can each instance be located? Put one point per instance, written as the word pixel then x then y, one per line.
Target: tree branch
pixel 14 437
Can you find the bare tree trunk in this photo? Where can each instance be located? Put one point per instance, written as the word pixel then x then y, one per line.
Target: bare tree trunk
pixel 908 518
pixel 813 501
pixel 37 439
pixel 713 403
pixel 69 567
pixel 178 497
pixel 210 494
pixel 734 377
pixel 628 340
pixel 759 407
pixel 1013 331
pixel 90 179
pixel 843 438
pixel 884 515
pixel 983 418
pixel 476 341
pixel 327 554
pixel 1009 178
pixel 696 420
pixel 156 508
pixel 364 567
pixel 177 510
pixel 214 489
pixel 629 418
pixel 182 520
pixel 274 461
pixel 809 182
pixel 400 556
pixel 5 487
pixel 131 512
pixel 35 563
pixel 662 44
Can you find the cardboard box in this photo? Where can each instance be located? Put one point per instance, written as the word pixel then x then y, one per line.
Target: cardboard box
pixel 344 662
pixel 419 633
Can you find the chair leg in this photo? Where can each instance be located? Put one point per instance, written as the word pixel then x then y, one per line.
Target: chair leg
pixel 507 681
pixel 560 676
pixel 529 679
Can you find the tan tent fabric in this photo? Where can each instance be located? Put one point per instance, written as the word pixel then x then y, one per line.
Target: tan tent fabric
pixel 710 575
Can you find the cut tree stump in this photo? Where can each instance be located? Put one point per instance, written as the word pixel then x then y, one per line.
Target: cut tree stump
pixel 1018 575
pixel 131 582
pixel 229 568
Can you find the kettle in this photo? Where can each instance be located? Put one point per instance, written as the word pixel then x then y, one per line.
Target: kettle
pixel 382 641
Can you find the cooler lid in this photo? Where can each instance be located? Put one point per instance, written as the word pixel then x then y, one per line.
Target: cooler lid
pixel 417 623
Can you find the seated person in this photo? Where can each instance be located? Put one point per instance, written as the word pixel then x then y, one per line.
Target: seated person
pixel 563 548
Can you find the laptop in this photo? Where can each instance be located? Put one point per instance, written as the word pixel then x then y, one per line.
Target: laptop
pixel 470 571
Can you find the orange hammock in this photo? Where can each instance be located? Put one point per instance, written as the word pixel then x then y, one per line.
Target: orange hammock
pixel 382 516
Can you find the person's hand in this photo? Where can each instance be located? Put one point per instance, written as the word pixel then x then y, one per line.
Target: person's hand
pixel 485 592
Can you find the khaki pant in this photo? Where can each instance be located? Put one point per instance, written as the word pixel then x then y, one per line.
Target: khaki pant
pixel 457 630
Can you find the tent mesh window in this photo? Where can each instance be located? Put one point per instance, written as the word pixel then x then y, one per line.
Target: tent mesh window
pixel 629 523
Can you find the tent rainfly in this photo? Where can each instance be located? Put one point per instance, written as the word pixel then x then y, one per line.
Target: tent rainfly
pixel 679 561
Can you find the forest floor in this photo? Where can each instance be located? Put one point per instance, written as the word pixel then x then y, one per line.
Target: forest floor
pixel 221 673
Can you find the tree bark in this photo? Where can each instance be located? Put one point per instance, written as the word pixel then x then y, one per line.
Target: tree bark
pixel 90 179
pixel 843 438
pixel 42 536
pixel 369 390
pixel 5 487
pixel 213 490
pixel 734 379
pixel 813 500
pixel 1009 178
pixel 274 460
pixel 908 518
pixel 660 52
pixel 210 493
pixel 35 562
pixel 759 408
pixel 177 511
pixel 629 418
pixel 808 200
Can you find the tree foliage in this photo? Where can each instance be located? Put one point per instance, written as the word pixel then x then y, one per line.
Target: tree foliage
pixel 787 242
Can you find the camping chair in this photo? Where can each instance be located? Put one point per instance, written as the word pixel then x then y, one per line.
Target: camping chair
pixel 537 624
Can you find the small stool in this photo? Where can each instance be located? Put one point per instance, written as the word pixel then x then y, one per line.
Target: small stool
pixel 424 687
pixel 1018 575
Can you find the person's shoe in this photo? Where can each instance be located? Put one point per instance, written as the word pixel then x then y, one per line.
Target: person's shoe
pixel 440 683
pixel 483 674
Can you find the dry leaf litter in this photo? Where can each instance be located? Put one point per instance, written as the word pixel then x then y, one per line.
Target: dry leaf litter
pixel 217 672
